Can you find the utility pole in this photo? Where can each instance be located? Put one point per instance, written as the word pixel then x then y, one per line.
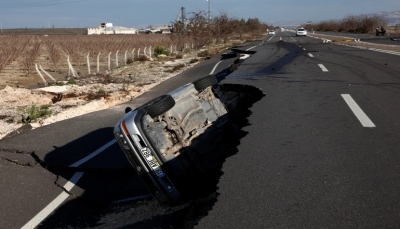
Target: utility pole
pixel 209 10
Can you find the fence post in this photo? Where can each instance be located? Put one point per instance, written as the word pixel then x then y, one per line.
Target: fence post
pixel 109 61
pixel 116 58
pixel 172 51
pixel 88 62
pixel 54 80
pixel 98 62
pixel 40 74
pixel 71 69
pixel 133 55
pixel 150 51
pixel 125 57
pixel 144 51
pixel 138 53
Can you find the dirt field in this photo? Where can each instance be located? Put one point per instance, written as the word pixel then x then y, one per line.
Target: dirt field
pixel 88 93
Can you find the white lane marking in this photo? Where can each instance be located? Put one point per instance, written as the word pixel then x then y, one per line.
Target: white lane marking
pixel 271 37
pixel 365 121
pixel 92 155
pixel 36 220
pixel 304 49
pixel 215 67
pixel 323 68
pixel 311 55
pixel 251 48
pixel 374 49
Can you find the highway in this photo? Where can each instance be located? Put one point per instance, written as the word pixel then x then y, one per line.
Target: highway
pixel 321 150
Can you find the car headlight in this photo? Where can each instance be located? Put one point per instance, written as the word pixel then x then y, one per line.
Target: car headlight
pixel 122 140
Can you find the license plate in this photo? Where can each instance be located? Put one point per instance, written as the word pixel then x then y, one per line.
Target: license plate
pixel 152 162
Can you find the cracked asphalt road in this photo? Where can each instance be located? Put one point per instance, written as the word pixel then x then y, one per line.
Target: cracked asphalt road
pixel 26 173
pixel 49 152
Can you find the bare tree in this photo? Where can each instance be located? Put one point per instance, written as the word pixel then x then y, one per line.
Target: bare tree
pixel 31 55
pixel 224 27
pixel 199 29
pixel 179 35
pixel 354 24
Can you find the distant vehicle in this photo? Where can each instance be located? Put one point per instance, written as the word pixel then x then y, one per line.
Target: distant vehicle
pixel 271 32
pixel 301 32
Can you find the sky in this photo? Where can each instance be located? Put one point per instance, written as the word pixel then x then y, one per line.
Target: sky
pixel 144 13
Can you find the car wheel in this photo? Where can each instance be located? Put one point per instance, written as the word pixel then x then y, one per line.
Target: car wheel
pixel 205 82
pixel 159 105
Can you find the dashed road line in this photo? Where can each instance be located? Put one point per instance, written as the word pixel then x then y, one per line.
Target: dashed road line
pixel 311 55
pixel 215 67
pixel 271 37
pixel 92 155
pixel 43 214
pixel 373 49
pixel 35 221
pixel 323 68
pixel 358 112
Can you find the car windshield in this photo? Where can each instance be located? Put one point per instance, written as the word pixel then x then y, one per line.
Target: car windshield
pixel 301 30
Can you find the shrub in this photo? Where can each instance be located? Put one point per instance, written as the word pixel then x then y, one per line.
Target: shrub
pixel 71 82
pixel 142 58
pixel 204 53
pixel 101 92
pixel 35 113
pixel 177 67
pixel 194 60
pixel 160 50
pixel 129 60
pixel 179 56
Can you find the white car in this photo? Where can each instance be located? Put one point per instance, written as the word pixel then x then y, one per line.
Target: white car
pixel 301 32
pixel 271 32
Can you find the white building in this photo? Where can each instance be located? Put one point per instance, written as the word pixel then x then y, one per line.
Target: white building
pixel 108 28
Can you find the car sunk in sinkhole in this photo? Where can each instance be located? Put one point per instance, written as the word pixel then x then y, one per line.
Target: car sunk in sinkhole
pixel 179 137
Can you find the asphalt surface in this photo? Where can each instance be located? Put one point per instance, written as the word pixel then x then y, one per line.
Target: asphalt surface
pixel 306 161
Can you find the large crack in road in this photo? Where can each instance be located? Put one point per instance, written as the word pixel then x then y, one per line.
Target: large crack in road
pixel 148 212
